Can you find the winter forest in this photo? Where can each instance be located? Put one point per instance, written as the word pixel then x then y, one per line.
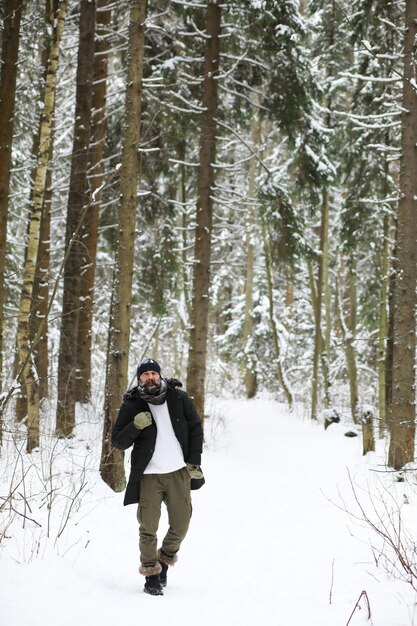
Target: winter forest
pixel 229 188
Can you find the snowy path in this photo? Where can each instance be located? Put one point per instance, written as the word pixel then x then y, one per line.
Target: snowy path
pixel 266 544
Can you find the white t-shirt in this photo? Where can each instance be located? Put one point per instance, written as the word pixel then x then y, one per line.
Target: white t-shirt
pixel 168 456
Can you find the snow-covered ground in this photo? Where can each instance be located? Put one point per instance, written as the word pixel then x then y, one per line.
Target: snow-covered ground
pixel 272 540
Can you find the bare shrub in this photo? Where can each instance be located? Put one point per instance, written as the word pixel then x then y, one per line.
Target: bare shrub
pixel 393 545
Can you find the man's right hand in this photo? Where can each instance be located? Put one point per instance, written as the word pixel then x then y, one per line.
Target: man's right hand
pixel 142 420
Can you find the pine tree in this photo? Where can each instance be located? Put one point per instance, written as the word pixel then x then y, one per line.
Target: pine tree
pixel 402 409
pixel 12 14
pixel 96 181
pixel 370 132
pixel 78 200
pixel 197 354
pixel 111 466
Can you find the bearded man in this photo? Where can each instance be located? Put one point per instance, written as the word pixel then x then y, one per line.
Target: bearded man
pixel 161 423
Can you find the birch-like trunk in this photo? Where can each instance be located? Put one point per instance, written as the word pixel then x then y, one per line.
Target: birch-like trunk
pixel 402 412
pixel 40 296
pixel 29 373
pixel 112 460
pixel 197 355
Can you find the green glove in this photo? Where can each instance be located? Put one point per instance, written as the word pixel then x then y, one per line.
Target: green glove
pixel 195 471
pixel 142 420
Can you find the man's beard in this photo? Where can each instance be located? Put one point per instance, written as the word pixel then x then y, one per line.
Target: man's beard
pixel 151 387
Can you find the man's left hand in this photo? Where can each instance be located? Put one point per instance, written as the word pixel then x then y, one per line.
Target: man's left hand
pixel 195 471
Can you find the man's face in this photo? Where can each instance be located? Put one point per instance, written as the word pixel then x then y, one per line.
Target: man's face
pixel 151 380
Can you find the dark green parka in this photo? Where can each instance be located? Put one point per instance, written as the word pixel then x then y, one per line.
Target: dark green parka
pixel 185 422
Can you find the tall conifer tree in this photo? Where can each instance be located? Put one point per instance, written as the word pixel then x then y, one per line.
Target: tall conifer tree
pixel 111 466
pixel 10 45
pixel 197 354
pixel 78 199
pixel 402 411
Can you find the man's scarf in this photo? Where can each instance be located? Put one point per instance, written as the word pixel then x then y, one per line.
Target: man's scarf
pixel 157 397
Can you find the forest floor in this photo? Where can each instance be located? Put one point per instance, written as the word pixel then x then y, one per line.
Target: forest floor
pixel 276 536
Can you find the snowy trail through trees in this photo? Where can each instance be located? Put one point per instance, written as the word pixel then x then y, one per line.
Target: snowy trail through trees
pixel 267 543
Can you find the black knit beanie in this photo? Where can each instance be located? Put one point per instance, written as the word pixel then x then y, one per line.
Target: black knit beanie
pixel 148 365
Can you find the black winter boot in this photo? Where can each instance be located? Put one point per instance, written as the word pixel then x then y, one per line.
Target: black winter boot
pixel 153 586
pixel 163 574
pixel 165 560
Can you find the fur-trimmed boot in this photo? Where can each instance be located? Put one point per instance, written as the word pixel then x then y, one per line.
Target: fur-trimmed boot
pixel 163 575
pixel 152 583
pixel 165 560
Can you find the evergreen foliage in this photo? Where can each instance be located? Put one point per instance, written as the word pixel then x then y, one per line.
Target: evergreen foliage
pixel 310 100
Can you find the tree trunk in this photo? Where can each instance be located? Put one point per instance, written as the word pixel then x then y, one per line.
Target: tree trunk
pixel 12 12
pixel 89 232
pixel 275 340
pixel 112 466
pixel 247 339
pixel 38 320
pixel 38 314
pixel 325 355
pixel 350 338
pixel 368 440
pixel 320 290
pixel 390 329
pixel 348 328
pixel 182 198
pixel 383 330
pixel 29 373
pixel 402 408
pixel 78 198
pixel 40 296
pixel 197 354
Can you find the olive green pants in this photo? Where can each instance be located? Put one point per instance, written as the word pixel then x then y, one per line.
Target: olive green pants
pixel 174 490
